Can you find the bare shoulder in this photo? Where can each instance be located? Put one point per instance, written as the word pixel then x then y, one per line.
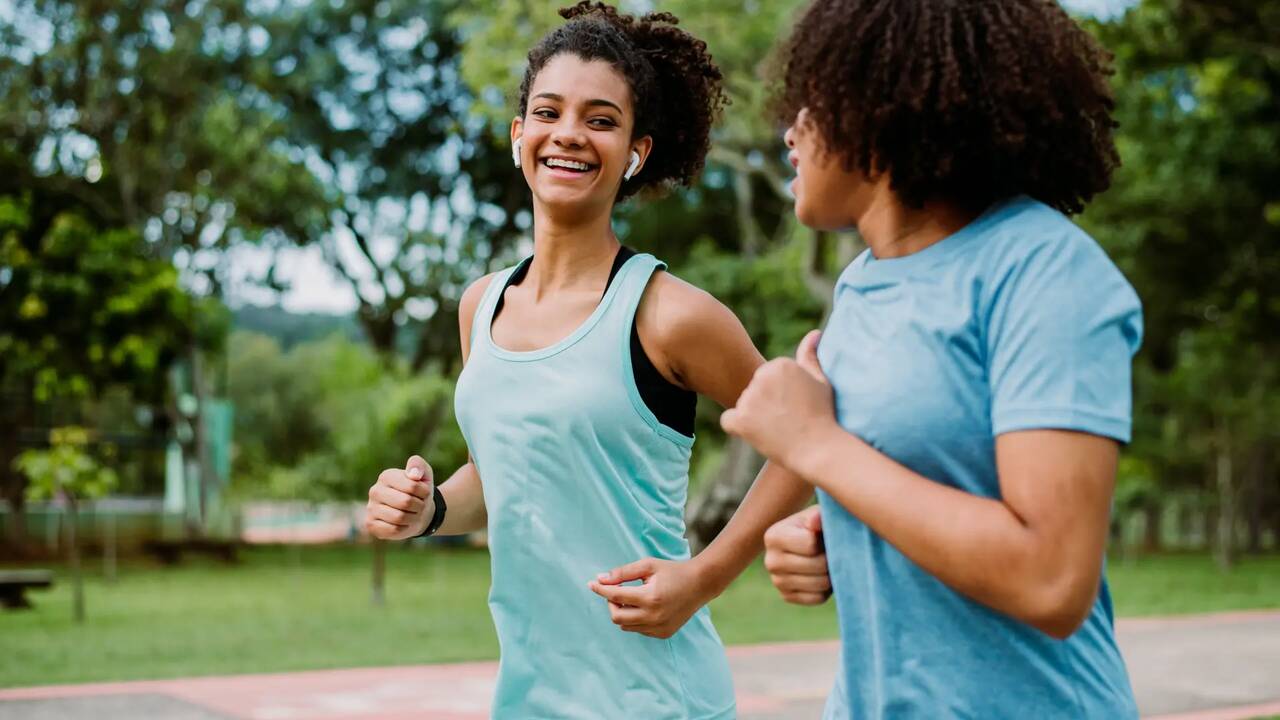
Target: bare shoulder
pixel 467 306
pixel 673 310
pixel 695 340
pixel 470 300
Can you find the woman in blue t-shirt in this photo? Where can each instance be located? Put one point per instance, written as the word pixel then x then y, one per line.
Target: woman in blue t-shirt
pixel 962 414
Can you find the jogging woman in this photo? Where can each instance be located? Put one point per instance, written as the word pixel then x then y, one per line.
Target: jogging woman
pixel 582 366
pixel 962 413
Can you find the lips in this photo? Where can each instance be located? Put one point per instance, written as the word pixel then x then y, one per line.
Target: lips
pixel 567 164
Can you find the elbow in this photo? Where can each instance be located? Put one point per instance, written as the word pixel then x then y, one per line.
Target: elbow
pixel 1059 625
pixel 1060 606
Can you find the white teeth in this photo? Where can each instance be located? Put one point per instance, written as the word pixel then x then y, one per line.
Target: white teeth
pixel 570 164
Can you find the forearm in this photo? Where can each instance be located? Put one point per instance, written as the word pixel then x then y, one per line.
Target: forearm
pixel 977 546
pixel 776 493
pixel 464 502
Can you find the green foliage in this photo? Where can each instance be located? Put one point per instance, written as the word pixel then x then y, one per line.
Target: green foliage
pixel 1191 220
pixel 322 420
pixel 767 292
pixel 66 467
pixel 84 307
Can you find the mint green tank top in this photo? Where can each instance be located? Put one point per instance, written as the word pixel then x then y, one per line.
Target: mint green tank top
pixel 579 477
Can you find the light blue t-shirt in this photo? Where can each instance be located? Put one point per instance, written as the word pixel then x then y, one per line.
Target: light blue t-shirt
pixel 1017 321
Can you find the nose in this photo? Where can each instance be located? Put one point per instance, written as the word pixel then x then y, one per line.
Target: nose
pixel 567 135
pixel 789 137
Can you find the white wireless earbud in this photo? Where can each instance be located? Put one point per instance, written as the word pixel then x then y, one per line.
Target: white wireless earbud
pixel 515 151
pixel 631 169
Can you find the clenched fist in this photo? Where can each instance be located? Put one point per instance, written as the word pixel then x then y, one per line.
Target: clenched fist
pixel 787 407
pixel 796 558
pixel 400 503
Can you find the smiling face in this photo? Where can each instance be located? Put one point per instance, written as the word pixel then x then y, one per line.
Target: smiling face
pixel 576 134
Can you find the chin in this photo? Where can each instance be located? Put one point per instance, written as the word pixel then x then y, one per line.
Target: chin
pixel 817 219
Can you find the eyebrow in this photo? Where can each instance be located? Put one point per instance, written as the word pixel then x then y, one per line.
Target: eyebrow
pixel 596 102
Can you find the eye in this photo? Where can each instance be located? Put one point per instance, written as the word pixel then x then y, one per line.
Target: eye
pixel 545 113
pixel 602 122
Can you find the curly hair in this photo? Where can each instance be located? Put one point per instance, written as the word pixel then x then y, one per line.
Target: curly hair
pixel 675 86
pixel 970 101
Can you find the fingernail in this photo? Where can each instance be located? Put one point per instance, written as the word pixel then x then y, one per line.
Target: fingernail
pixel 602 576
pixel 415 473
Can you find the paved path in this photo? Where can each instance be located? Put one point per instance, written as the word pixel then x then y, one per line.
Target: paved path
pixel 1207 667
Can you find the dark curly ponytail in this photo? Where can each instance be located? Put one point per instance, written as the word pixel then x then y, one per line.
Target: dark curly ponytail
pixel 675 85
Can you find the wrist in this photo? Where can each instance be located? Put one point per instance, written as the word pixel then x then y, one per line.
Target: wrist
pixel 432 516
pixel 707 576
pixel 811 457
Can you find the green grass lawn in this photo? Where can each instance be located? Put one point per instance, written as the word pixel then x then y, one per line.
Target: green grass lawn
pixel 279 610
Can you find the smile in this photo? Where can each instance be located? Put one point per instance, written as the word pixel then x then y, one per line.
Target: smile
pixel 565 164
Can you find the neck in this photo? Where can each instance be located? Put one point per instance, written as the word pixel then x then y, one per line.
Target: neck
pixel 892 229
pixel 570 252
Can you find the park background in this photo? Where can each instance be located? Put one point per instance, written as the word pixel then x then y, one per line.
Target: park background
pixel 233 236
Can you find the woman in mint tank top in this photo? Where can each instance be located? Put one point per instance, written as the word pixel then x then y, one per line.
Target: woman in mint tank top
pixel 962 413
pixel 581 365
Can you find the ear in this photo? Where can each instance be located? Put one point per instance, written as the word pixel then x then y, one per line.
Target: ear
pixel 517 128
pixel 642 146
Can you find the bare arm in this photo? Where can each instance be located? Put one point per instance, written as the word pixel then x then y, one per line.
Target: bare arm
pixel 462 491
pixel 400 502
pixel 1034 553
pixel 698 343
pixel 705 347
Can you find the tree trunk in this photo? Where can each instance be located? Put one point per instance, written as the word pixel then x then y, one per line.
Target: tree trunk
pixel 13 484
pixel 1256 498
pixel 1226 529
pixel 1152 514
pixel 204 460
pixel 109 548
pixel 1186 523
pixel 711 510
pixel 73 560
pixel 378 580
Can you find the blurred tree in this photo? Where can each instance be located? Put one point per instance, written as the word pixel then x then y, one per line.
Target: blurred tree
pixel 84 309
pixel 320 422
pixel 138 116
pixel 420 199
pixel 1194 220
pixel 68 472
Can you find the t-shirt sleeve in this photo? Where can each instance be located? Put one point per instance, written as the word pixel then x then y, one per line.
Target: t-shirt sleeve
pixel 1062 328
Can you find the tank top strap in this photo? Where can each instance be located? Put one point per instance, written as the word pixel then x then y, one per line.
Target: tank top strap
pixel 483 319
pixel 632 280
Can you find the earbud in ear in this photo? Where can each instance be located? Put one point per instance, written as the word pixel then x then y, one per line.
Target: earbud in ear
pixel 515 151
pixel 631 169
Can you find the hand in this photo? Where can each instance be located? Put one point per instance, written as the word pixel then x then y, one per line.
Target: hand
pixel 402 502
pixel 796 558
pixel 787 406
pixel 671 594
